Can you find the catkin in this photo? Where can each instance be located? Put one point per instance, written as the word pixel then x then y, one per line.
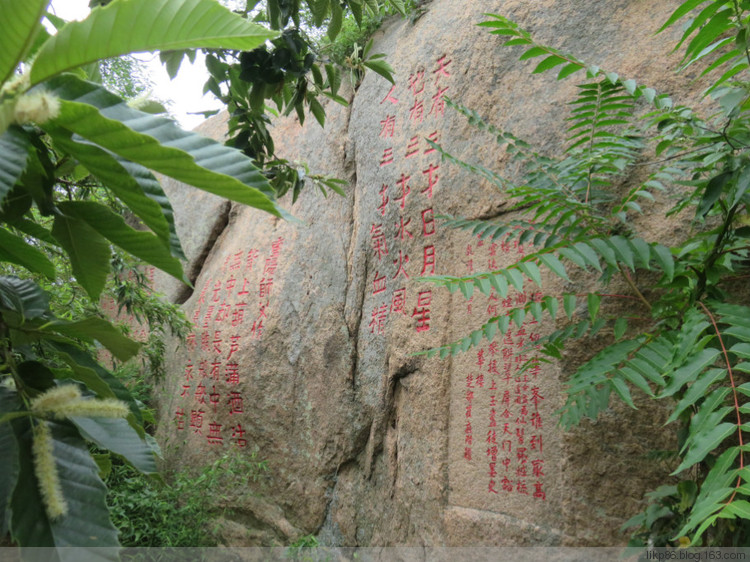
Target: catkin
pixel 46 472
pixel 55 397
pixel 107 408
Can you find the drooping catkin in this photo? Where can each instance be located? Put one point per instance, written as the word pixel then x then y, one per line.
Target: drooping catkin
pixel 55 397
pixel 37 107
pixel 46 472
pixel 107 408
pixel 66 401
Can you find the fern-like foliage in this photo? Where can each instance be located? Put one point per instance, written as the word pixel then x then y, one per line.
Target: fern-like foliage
pixel 691 345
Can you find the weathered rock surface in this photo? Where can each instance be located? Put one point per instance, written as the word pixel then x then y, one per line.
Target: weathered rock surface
pixel 305 333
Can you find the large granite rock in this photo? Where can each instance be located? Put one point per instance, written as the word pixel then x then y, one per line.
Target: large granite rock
pixel 305 333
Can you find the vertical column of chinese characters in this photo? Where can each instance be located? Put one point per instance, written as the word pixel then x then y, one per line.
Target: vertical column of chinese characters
pixel 514 441
pixel 379 232
pixel 408 181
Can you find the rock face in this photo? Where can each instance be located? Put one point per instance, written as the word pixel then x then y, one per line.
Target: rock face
pixel 305 334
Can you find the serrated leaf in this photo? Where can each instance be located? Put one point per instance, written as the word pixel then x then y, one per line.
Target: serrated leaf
pixel 569 69
pixel 15 250
pixel 531 270
pixel 515 278
pixel 636 379
pixel 704 443
pixel 17 32
pixel 8 476
pixel 554 265
pixel 550 62
pixel 132 183
pixel 381 67
pixel 569 305
pixel 713 191
pixel 552 306
pixel 587 252
pixel 117 436
pixel 621 326
pixel 14 146
pixel 740 508
pixel 665 259
pixel 533 52
pixel 684 8
pixel 518 315
pixel 622 391
pixel 690 370
pixel 319 9
pixel 467 289
pixel 156 25
pixel 697 391
pixel 603 249
pixel 334 78
pixel 24 297
pixel 593 300
pixel 337 18
pixel 94 328
pixel 87 524
pixel 573 256
pixel 622 250
pixel 483 284
pixel 159 144
pixel 88 251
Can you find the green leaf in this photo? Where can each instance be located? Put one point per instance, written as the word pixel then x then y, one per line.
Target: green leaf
pixel 550 62
pixel 319 10
pixel 89 253
pixel 337 19
pixel 664 257
pixel 156 25
pixel 14 146
pixel 18 27
pixel 621 326
pixel 117 436
pixel 684 8
pixel 318 111
pixel 604 250
pixel 134 184
pixel 552 306
pixel 399 5
pixel 622 250
pixel 587 252
pixel 113 227
pixel 740 508
pixel 94 328
pixel 500 284
pixel 8 403
pixel 515 278
pixel 531 270
pixel 690 370
pixel 594 301
pixel 704 443
pixel 714 189
pixel 159 144
pixel 569 305
pixel 381 67
pixel 533 52
pixel 622 391
pixel 569 69
pixel 697 391
pixel 15 250
pixel 87 524
pixel 23 297
pixel 554 265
